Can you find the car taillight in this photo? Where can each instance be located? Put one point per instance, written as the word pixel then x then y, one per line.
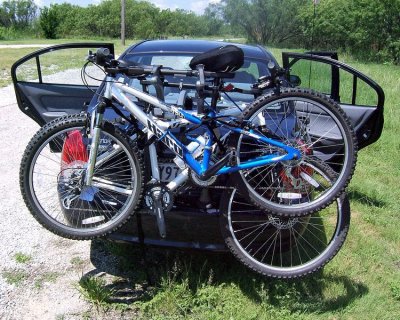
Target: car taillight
pixel 74 148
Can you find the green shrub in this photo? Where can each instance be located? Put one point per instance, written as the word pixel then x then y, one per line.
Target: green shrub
pixel 49 22
pixel 9 33
pixel 394 51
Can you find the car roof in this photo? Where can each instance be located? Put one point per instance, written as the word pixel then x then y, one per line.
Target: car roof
pixel 195 47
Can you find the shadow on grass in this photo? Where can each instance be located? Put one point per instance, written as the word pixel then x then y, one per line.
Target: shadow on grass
pixel 139 281
pixel 355 195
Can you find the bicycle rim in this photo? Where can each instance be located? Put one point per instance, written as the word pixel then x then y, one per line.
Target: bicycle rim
pixel 285 247
pixel 294 187
pixel 56 176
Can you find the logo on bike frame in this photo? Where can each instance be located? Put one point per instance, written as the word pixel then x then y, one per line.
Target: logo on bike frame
pixel 171 143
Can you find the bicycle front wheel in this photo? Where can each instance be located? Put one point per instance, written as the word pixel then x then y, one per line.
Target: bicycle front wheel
pixel 319 129
pixel 52 176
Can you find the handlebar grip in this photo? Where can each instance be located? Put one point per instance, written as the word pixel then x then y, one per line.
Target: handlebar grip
pixel 102 55
pixel 135 71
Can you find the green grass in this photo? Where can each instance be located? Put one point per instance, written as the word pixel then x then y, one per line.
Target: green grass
pixel 15 276
pixel 197 285
pixel 8 57
pixel 95 290
pixel 77 262
pixel 47 277
pixel 22 258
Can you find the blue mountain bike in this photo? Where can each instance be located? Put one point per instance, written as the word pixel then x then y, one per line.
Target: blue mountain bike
pixel 291 152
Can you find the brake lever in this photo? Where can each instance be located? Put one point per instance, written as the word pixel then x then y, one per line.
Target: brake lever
pixel 273 80
pixel 91 56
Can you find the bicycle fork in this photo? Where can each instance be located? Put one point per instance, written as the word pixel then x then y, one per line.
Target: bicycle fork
pixel 95 132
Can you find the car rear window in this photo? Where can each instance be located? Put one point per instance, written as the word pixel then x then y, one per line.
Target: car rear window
pixel 173 62
pixel 251 70
pixel 247 75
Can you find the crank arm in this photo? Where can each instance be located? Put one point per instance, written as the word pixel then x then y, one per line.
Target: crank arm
pixel 159 212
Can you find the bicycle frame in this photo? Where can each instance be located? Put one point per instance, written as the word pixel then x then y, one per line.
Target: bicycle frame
pixel 161 129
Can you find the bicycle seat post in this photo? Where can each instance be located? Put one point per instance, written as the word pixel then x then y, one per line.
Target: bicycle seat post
pixel 200 85
pixel 158 81
pixel 215 93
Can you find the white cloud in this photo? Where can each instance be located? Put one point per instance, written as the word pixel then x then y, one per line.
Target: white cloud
pixel 163 4
pixel 42 3
pixel 39 3
pixel 196 6
pixel 83 3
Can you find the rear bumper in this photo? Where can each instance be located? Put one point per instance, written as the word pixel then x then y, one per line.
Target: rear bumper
pixel 186 229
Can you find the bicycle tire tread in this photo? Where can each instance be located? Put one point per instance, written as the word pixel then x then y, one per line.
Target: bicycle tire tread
pixel 343 227
pixel 305 92
pixel 44 131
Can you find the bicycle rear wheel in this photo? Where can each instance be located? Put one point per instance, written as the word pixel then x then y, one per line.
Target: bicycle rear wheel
pixel 282 247
pixel 52 179
pixel 319 129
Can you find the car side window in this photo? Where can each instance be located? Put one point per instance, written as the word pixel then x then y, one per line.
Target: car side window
pixel 250 69
pixel 249 73
pixel 28 71
pixel 59 67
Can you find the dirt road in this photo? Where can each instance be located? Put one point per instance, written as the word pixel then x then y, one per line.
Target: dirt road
pixel 39 271
pixel 20 46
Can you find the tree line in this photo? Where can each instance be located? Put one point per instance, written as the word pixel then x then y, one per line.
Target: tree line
pixel 369 29
pixel 143 20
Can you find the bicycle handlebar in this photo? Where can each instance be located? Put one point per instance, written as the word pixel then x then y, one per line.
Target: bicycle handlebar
pixel 148 70
pixel 103 58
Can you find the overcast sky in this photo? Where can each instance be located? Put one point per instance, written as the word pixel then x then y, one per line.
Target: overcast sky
pixel 197 6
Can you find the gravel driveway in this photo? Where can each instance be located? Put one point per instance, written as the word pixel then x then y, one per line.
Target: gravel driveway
pixel 39 271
